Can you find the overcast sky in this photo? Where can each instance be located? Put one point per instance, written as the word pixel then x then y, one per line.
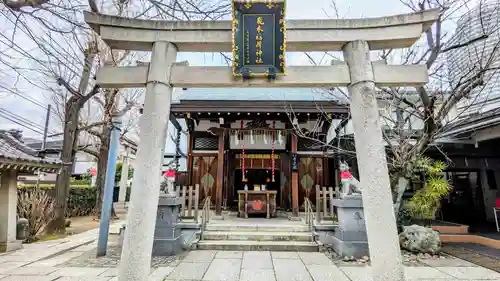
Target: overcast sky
pixel 34 109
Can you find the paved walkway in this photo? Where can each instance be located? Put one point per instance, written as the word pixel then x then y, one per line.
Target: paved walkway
pixel 52 260
pixel 237 266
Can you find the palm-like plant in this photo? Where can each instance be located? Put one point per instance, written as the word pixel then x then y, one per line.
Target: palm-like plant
pixel 426 201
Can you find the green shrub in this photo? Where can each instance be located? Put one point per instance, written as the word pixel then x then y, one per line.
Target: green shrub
pixel 81 199
pixel 426 201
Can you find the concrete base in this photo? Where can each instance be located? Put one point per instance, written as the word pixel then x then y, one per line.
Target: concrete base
pixel 189 235
pixel 167 247
pixel 11 246
pixel 350 248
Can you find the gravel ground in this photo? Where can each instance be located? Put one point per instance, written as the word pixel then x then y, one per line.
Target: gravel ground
pixel 112 258
pixel 409 259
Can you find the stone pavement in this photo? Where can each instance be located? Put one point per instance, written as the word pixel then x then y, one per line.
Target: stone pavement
pixel 234 266
pixel 73 259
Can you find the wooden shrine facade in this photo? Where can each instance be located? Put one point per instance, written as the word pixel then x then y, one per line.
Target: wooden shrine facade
pixel 230 142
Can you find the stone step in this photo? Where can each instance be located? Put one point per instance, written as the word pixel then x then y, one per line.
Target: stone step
pixel 232 245
pixel 257 236
pixel 257 228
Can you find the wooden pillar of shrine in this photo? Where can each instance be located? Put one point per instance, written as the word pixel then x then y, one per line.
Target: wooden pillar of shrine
pixel 295 180
pixel 220 175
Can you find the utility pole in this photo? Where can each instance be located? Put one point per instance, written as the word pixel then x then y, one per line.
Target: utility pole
pixel 46 129
pixel 44 141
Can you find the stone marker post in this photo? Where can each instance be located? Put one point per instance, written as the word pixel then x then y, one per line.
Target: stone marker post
pixel 383 241
pixel 138 241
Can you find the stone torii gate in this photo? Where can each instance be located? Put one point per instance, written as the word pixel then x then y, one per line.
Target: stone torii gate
pixel 355 37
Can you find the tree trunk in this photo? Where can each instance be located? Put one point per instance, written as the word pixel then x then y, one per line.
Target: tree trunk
pixel 57 225
pixel 102 163
pixel 401 188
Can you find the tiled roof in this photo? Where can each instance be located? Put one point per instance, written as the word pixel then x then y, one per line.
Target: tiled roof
pixel 13 149
pixel 272 94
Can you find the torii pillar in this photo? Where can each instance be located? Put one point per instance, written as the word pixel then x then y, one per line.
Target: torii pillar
pixel 141 219
pixel 381 230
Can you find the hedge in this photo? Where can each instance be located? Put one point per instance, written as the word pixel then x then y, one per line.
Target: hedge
pixel 81 201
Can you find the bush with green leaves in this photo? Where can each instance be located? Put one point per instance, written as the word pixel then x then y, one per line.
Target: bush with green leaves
pixel 426 201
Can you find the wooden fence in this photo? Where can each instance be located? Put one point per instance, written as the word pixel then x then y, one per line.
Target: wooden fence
pixel 324 204
pixel 190 201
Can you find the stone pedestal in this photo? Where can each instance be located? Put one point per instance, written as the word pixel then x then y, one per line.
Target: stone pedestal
pixel 349 237
pixel 167 238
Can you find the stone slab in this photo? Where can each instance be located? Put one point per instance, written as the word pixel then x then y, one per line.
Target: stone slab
pixel 257 260
pixel 315 258
pixel 199 256
pixel 291 270
pixel 31 270
pixel 79 271
pixel 223 270
pixel 257 275
pixel 326 273
pixel 465 273
pixel 358 273
pixel 229 255
pixel 188 271
pixel 84 278
pixel 57 260
pixel 285 255
pixel 112 271
pixel 6 266
pixel 28 278
pixel 424 273
pixel 160 273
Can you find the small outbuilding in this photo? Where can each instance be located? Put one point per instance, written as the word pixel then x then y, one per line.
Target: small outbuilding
pixel 16 159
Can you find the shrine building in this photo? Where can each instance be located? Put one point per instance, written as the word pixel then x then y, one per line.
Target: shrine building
pixel 248 136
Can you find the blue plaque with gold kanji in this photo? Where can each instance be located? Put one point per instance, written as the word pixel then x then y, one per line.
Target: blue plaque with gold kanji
pixel 259 38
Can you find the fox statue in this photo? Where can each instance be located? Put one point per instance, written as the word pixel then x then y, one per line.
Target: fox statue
pixel 350 185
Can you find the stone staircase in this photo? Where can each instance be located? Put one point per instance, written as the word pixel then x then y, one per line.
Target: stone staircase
pixel 250 236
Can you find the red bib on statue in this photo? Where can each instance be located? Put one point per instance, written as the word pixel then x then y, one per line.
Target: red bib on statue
pixel 345 175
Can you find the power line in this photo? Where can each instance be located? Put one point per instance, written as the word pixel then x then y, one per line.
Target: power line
pixel 20 118
pixel 35 102
pixel 18 123
pixel 6 113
